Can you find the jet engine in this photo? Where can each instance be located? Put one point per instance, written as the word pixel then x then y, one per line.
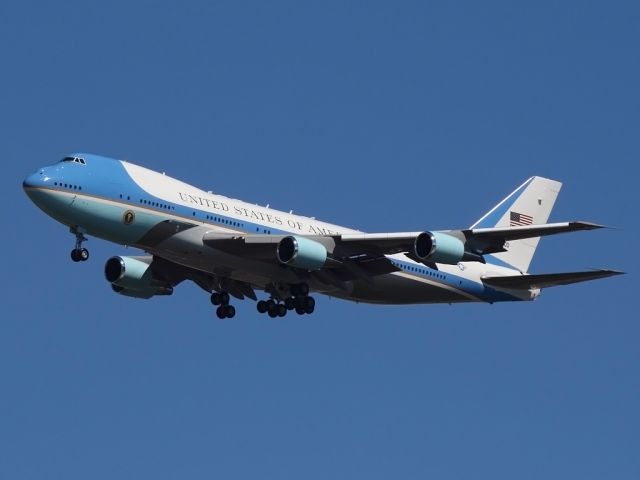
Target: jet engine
pixel 439 248
pixel 301 252
pixel 133 277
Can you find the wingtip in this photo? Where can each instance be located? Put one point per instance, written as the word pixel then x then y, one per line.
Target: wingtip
pixel 588 225
pixel 609 272
pixel 592 226
pixel 616 272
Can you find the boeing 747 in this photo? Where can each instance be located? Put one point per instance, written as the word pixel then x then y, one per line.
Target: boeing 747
pixel 231 248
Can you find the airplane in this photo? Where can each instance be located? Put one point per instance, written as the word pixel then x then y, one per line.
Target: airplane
pixel 232 248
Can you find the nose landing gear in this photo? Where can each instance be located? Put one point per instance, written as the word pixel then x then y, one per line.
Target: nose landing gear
pixel 79 254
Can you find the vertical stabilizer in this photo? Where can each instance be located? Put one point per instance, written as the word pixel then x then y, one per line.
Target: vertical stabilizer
pixel 529 204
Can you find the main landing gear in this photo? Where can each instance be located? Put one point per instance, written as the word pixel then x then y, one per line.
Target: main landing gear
pixel 224 310
pixel 300 301
pixel 296 297
pixel 79 254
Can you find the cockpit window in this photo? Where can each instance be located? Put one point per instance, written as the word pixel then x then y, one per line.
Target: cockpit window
pixel 74 160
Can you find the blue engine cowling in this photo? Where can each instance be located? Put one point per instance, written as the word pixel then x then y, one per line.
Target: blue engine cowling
pixel 439 248
pixel 301 252
pixel 133 277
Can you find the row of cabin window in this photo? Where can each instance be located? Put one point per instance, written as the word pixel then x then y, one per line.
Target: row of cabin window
pixel 423 271
pixel 154 204
pixel 222 220
pixel 232 223
pixel 67 185
pixel 208 217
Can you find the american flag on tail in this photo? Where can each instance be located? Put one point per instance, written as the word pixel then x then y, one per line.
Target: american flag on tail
pixel 519 219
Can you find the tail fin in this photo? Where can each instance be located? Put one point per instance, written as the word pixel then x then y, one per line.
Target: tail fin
pixel 529 204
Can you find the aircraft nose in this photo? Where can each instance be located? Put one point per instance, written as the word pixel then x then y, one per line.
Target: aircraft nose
pixel 34 179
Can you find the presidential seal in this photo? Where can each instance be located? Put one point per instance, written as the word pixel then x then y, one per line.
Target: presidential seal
pixel 128 217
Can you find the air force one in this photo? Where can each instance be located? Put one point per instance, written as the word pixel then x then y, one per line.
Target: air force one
pixel 231 248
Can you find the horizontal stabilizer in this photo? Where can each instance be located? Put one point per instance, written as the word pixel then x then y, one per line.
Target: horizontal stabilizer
pixel 547 279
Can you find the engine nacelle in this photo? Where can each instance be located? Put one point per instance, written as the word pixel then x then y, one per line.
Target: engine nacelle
pixel 301 252
pixel 439 248
pixel 132 277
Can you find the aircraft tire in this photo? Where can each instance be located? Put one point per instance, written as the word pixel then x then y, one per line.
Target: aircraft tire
pixel 215 298
pixel 224 298
pixel 289 303
pixel 273 309
pixel 262 306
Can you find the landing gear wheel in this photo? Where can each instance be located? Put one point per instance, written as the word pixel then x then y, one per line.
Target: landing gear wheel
pixel 262 306
pixel 309 303
pixel 272 309
pixel 79 254
pixel 289 303
pixel 220 298
pixel 300 310
pixel 226 311
pixel 282 310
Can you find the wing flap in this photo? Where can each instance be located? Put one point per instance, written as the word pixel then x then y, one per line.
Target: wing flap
pixel 547 279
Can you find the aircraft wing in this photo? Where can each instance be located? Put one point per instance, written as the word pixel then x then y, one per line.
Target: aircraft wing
pixel 479 241
pixel 547 279
pixel 360 248
pixel 342 263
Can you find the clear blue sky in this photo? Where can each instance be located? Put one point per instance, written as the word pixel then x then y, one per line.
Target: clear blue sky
pixel 352 112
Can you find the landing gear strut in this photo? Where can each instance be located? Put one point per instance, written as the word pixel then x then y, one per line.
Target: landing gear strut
pixel 224 310
pixel 79 254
